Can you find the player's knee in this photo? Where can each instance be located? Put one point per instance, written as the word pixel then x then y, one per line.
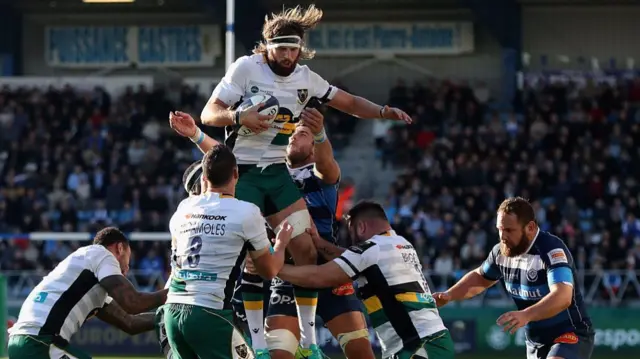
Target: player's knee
pixel 281 339
pixel 356 336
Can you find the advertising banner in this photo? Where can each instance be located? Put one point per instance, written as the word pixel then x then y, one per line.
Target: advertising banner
pixel 424 38
pixel 142 46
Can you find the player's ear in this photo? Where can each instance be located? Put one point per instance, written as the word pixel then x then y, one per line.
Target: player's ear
pixel 236 174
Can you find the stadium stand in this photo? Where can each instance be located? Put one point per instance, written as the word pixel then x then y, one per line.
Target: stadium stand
pixel 567 148
pixel 88 160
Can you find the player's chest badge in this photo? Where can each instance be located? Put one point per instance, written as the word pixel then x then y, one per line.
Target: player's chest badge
pixel 303 95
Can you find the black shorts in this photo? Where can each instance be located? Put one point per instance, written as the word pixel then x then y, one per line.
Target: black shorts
pixel 567 349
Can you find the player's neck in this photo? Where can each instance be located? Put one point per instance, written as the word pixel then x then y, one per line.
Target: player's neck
pixel 303 163
pixel 223 191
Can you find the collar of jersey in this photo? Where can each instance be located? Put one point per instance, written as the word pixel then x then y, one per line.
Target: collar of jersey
pixel 221 195
pixel 533 241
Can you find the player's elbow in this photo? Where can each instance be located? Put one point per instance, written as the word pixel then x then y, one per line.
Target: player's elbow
pixel 213 115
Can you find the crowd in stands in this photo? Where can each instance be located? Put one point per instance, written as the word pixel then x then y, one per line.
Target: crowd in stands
pixel 77 161
pixel 74 161
pixel 570 149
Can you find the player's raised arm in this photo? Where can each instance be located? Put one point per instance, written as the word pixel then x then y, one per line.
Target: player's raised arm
pixel 326 166
pixel 184 125
pixel 473 283
pixel 113 314
pixel 361 107
pixel 266 259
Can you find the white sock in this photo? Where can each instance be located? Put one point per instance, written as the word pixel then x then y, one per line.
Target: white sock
pixel 252 298
pixel 306 305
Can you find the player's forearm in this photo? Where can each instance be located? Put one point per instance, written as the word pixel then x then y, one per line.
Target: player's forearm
pixel 363 108
pixel 216 115
pixel 329 250
pixel 326 164
pixel 303 276
pixel 131 324
pixel 549 306
pixel 472 284
pixel 132 301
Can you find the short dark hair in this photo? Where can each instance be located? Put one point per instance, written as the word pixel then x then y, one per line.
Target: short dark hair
pixel 520 207
pixel 366 209
pixel 218 165
pixel 191 178
pixel 109 236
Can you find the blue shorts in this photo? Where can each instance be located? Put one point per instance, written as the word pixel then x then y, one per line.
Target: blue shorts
pixel 568 346
pixel 331 302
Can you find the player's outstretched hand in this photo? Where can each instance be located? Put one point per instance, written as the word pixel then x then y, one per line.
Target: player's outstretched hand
pixel 313 119
pixel 393 113
pixel 284 236
pixel 512 321
pixel 183 124
pixel 315 236
pixel 253 120
pixel 442 298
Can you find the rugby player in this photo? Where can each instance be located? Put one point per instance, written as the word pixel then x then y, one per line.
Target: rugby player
pixel 317 174
pixel 390 283
pixel 191 182
pixel 273 69
pixel 89 282
pixel 538 271
pixel 211 234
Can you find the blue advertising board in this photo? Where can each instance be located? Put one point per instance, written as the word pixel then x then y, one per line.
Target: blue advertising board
pixel 425 38
pixel 143 46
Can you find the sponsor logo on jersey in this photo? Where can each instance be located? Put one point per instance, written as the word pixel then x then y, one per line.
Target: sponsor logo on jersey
pixel 254 89
pixel 345 289
pixel 303 95
pixel 525 293
pixel 406 246
pixel 208 217
pixel 567 338
pixel 557 256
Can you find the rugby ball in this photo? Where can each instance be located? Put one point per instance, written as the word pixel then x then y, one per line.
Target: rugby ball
pixel 270 107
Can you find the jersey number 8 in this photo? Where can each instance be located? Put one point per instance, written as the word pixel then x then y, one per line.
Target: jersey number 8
pixel 193 258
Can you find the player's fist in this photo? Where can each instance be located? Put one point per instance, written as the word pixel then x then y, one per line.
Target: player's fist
pixel 183 124
pixel 392 113
pixel 283 237
pixel 313 119
pixel 249 267
pixel 315 236
pixel 442 298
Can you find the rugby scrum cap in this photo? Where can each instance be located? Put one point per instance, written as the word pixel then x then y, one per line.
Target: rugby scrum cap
pixel 192 176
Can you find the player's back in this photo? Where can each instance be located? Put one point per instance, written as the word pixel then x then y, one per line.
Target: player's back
pixel 68 295
pixel 209 249
pixel 527 279
pixel 250 76
pixel 321 200
pixel 395 292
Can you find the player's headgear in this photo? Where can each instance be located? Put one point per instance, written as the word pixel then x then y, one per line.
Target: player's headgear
pixel 288 28
pixel 191 177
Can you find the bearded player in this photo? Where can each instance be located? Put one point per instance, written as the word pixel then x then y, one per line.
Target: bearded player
pixel 264 179
pixel 317 174
pixel 538 271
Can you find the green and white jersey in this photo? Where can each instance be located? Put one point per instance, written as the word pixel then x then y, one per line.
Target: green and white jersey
pixel 251 75
pixel 69 295
pixel 211 234
pixel 393 289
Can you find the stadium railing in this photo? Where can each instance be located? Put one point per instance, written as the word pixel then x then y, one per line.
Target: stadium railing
pixel 599 287
pixel 602 287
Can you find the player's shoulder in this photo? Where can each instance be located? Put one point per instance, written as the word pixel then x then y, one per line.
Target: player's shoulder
pixel 246 209
pixel 363 247
pixel 248 62
pixel 552 249
pixel 93 253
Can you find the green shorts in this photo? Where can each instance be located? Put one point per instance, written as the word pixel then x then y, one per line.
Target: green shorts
pixel 198 332
pixel 41 347
pixel 436 346
pixel 270 188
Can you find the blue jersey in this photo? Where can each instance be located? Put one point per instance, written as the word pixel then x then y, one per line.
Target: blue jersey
pixel 321 199
pixel 527 279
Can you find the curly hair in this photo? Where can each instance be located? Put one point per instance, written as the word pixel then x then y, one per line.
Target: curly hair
pixel 295 21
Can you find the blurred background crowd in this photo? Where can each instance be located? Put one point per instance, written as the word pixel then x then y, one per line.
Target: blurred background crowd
pixel 74 161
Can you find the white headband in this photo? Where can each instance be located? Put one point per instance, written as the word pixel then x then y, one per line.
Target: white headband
pixel 284 41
